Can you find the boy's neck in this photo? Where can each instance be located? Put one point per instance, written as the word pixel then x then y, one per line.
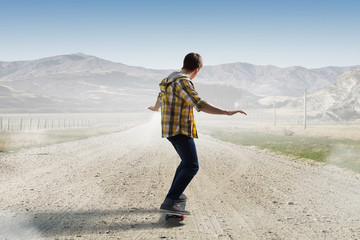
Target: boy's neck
pixel 191 74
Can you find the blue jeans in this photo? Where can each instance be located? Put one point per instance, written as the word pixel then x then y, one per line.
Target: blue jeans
pixel 188 167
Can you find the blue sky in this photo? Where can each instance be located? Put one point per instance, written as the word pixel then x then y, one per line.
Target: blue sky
pixel 157 34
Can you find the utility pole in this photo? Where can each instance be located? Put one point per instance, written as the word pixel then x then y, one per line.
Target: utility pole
pixel 274 114
pixel 305 109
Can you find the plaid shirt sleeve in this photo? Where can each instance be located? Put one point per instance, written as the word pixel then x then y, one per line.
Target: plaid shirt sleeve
pixel 159 97
pixel 186 90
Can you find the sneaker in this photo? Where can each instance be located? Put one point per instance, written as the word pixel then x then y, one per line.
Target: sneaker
pixel 173 209
pixel 182 198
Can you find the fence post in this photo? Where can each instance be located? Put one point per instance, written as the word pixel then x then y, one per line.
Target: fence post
pixel 305 109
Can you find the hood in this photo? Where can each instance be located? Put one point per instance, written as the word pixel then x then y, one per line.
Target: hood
pixel 170 79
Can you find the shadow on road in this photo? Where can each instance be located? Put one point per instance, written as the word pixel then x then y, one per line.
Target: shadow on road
pixel 100 222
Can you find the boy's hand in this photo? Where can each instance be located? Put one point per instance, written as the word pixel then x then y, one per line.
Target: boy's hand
pixel 208 108
pixel 153 108
pixel 232 112
pixel 156 107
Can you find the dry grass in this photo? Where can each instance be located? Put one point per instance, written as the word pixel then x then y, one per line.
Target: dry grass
pixel 332 143
pixel 30 137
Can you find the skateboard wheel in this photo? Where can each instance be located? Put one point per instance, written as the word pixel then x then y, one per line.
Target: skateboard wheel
pixel 182 218
pixel 166 216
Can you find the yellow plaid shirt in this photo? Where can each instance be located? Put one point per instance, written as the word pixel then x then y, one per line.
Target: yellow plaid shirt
pixel 177 98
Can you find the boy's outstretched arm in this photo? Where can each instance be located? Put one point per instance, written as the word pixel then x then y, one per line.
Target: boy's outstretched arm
pixel 208 108
pixel 156 107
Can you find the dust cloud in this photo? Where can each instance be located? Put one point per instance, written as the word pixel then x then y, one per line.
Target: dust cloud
pixel 345 156
pixel 17 226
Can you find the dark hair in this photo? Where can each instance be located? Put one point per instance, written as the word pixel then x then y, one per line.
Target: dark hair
pixel 192 61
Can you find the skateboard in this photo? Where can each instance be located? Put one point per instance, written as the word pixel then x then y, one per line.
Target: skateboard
pixel 180 216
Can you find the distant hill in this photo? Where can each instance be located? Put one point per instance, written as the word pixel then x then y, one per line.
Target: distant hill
pixel 271 80
pixel 75 82
pixel 83 83
pixel 339 102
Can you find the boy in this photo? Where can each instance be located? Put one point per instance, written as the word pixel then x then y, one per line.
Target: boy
pixel 177 99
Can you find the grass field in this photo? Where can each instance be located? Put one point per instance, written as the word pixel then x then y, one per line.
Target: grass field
pixel 15 140
pixel 335 144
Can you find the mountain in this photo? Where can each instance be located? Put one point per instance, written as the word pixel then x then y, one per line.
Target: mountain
pixel 83 83
pixel 73 63
pixel 271 80
pixel 75 82
pixel 338 102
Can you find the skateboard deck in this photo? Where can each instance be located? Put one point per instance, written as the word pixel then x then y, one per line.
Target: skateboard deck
pixel 181 216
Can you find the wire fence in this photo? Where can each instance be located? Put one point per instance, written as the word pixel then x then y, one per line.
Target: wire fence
pixel 35 122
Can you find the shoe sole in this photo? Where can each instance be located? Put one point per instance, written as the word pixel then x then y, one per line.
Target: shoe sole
pixel 175 213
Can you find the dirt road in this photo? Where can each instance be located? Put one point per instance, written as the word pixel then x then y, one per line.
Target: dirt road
pixel 110 187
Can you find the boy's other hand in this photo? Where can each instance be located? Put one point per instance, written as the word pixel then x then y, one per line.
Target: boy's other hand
pixel 232 112
pixel 153 108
